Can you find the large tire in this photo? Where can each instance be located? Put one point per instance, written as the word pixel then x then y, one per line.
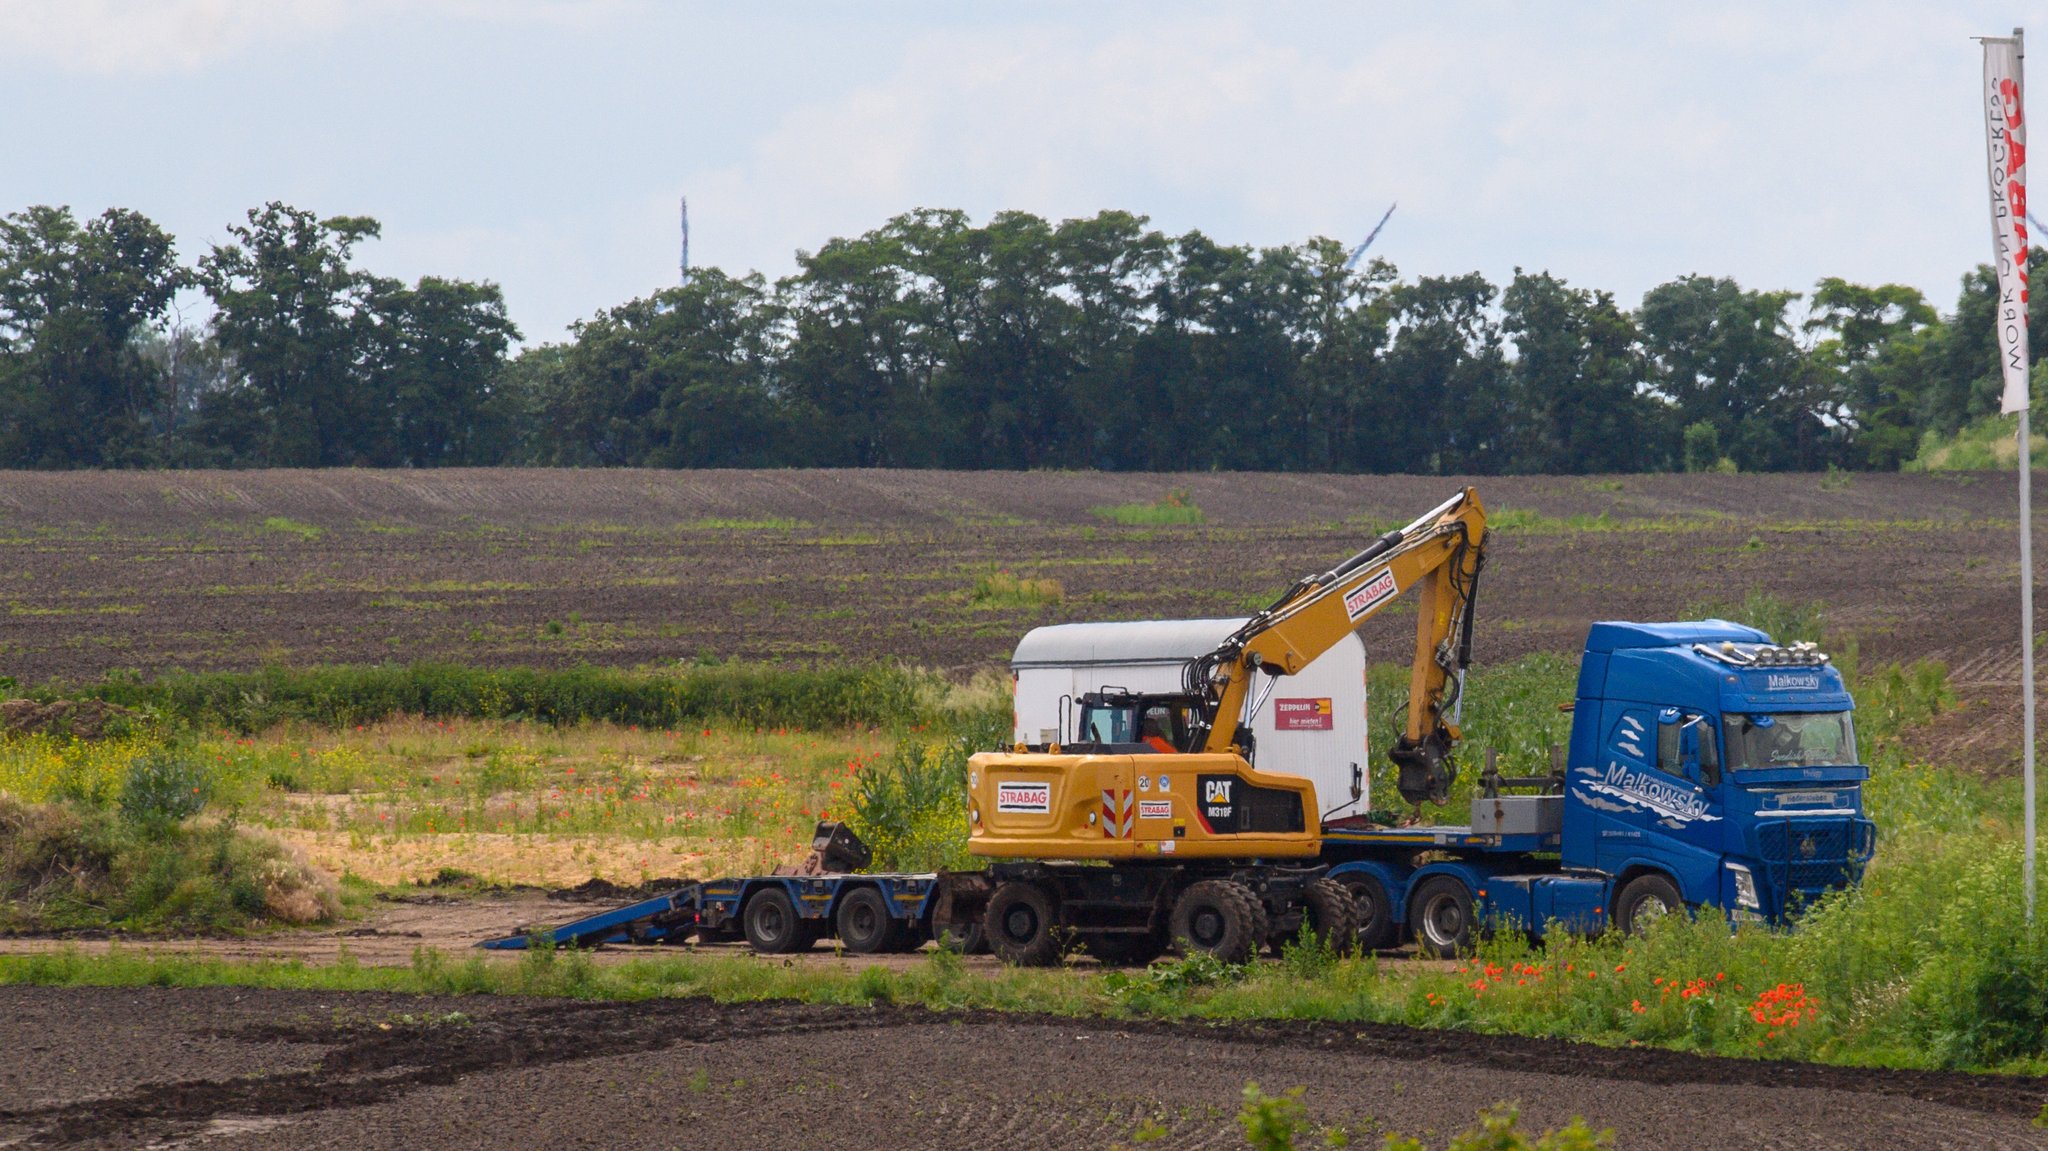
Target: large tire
pixel 1124 948
pixel 1440 913
pixel 1331 913
pixel 1020 924
pixel 772 925
pixel 863 922
pixel 1377 930
pixel 1220 917
pixel 1644 899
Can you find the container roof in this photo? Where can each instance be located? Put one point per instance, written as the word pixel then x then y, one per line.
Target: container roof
pixel 1139 641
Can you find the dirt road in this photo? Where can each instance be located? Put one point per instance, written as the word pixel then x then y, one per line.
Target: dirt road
pixel 232 1068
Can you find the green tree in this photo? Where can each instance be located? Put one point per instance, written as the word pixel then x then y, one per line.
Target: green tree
pixel 297 320
pixel 680 380
pixel 439 350
pixel 75 388
pixel 1872 348
pixel 1726 355
pixel 1445 407
pixel 1577 382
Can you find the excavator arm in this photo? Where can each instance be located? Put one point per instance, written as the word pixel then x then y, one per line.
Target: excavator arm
pixel 1439 557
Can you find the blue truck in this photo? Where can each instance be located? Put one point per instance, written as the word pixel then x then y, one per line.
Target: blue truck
pixel 1707 768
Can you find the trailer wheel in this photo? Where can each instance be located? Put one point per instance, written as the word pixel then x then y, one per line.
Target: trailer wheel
pixel 1124 948
pixel 1331 913
pixel 773 927
pixel 1019 924
pixel 1440 912
pixel 863 922
pixel 1644 899
pixel 1221 918
pixel 1376 927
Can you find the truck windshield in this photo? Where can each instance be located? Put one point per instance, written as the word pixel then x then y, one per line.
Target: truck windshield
pixel 1791 739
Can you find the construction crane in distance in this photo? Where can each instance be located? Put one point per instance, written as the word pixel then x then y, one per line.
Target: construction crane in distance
pixel 1358 253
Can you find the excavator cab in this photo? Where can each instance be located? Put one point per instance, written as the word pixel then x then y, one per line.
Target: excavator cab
pixel 1116 717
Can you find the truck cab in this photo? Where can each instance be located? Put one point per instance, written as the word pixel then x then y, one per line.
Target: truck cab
pixel 1707 755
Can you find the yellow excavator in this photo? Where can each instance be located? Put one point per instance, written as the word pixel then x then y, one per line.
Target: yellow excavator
pixel 1123 849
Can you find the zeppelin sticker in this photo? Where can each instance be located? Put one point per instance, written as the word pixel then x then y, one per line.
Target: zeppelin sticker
pixel 1024 797
pixel 1303 715
pixel 1371 594
pixel 1155 809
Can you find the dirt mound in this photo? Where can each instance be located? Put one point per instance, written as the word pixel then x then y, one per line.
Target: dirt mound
pixel 84 718
pixel 601 890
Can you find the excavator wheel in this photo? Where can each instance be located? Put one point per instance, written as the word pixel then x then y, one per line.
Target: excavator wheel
pixel 1332 914
pixel 1219 917
pixel 1020 924
pixel 1377 930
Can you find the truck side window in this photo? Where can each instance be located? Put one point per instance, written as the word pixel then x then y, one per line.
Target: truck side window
pixel 1668 760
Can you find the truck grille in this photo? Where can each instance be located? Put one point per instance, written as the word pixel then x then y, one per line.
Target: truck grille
pixel 1811 856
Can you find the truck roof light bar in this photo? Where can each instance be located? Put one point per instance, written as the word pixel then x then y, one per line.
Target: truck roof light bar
pixel 1800 654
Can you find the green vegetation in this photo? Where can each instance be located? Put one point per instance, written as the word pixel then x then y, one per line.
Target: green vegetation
pixel 341 696
pixel 1173 508
pixel 1004 589
pixel 292 527
pixel 1988 444
pixel 1278 1122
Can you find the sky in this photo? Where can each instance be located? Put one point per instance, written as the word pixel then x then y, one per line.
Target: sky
pixel 543 144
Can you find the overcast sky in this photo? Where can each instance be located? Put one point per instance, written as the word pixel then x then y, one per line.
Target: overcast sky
pixel 542 144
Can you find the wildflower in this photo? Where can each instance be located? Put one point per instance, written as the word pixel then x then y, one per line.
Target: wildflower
pixel 1620 967
pixel 1636 1005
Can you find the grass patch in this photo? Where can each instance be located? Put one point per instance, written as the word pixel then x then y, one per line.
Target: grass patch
pixel 292 527
pixel 73 866
pixel 1173 508
pixel 340 696
pixel 1989 444
pixel 1005 589
pixel 742 525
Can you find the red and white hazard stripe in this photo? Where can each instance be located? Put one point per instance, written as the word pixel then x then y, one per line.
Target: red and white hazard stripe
pixel 1119 813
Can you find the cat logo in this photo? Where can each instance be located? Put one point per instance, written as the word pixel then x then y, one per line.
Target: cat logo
pixel 1218 809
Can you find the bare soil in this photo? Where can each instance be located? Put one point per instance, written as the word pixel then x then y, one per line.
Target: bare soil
pixel 257 1069
pixel 208 570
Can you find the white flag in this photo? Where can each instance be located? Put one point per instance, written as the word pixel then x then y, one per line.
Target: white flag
pixel 2005 128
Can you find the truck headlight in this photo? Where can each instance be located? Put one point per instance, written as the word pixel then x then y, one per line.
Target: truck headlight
pixel 1745 887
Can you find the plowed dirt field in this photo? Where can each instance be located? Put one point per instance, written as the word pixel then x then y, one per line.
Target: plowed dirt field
pixel 259 1069
pixel 202 570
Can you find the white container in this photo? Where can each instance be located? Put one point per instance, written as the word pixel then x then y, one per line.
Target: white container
pixel 1311 724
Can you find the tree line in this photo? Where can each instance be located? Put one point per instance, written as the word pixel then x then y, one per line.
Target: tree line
pixel 933 342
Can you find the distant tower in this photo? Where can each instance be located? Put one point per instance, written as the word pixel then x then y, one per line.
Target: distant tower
pixel 686 242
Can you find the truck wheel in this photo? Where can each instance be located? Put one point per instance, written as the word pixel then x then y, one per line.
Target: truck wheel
pixel 1331 914
pixel 1124 949
pixel 863 922
pixel 1019 924
pixel 773 927
pixel 1221 918
pixel 1376 928
pixel 1440 912
pixel 1644 899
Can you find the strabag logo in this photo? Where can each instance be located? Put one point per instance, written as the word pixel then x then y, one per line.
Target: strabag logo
pixel 1155 809
pixel 1025 797
pixel 1792 681
pixel 1371 594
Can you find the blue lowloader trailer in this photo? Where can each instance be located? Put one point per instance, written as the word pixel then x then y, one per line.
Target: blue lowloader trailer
pixel 827 897
pixel 1708 768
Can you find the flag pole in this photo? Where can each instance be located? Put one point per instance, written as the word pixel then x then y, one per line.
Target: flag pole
pixel 2026 461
